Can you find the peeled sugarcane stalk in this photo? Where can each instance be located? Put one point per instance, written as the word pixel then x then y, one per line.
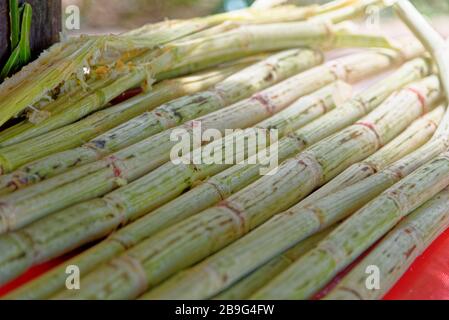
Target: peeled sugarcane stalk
pixel 239 176
pixel 255 205
pixel 434 43
pixel 413 138
pixel 237 87
pixel 207 51
pixel 294 116
pixel 255 280
pixel 98 178
pixel 285 121
pixel 371 222
pixel 394 254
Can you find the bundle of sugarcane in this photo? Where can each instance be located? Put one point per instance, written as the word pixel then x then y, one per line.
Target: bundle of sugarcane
pixel 179 226
pixel 95 179
pixel 308 170
pixel 220 223
pixel 296 115
pixel 238 176
pixel 371 222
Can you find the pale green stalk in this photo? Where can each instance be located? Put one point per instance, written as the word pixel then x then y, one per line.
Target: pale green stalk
pixel 255 280
pixel 236 87
pixel 257 203
pixel 285 122
pixel 413 138
pixel 434 43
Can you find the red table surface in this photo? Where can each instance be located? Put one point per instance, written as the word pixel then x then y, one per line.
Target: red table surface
pixel 426 279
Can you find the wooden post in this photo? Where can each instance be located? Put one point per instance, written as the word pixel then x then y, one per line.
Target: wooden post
pixel 45 26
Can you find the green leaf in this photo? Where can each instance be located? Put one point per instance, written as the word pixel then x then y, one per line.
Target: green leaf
pixel 11 64
pixel 24 44
pixel 15 23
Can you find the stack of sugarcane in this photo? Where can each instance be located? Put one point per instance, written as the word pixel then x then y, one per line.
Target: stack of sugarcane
pixel 317 175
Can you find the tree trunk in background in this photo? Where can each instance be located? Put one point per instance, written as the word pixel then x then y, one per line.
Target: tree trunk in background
pixel 45 26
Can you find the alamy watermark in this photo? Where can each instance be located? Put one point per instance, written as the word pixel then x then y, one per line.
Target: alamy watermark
pixel 72 18
pixel 372 281
pixel 73 280
pixel 248 146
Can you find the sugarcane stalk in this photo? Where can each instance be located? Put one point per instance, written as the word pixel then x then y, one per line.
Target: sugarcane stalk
pixel 394 254
pixel 237 87
pixel 434 43
pixel 316 166
pixel 100 177
pixel 413 138
pixel 296 115
pixel 255 280
pixel 13 99
pixel 285 13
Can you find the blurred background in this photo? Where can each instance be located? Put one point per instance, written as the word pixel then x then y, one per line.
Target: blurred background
pixel 100 16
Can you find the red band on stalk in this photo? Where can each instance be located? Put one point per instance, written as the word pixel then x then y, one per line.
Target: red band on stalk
pixel 117 171
pixel 372 127
pixel 421 98
pixel 265 102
